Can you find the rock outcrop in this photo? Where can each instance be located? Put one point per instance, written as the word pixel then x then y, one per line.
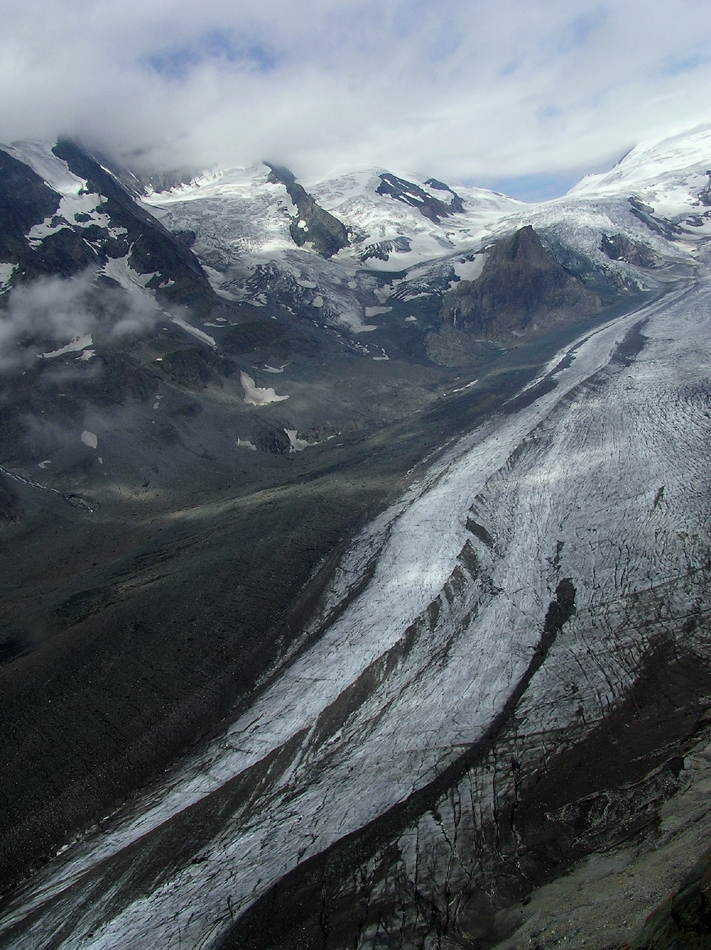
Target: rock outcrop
pixel 521 288
pixel 411 194
pixel 312 223
pixel 618 247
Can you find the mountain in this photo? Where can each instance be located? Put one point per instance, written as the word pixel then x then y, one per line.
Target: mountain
pixel 355 555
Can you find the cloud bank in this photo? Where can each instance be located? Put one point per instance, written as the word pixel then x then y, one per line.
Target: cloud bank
pixel 53 312
pixel 463 88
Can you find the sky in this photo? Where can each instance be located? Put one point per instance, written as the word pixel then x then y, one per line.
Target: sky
pixel 524 96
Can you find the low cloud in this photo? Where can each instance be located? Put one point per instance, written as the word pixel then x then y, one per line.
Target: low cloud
pixel 52 312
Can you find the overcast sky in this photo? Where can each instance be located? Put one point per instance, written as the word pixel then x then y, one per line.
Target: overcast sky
pixel 523 95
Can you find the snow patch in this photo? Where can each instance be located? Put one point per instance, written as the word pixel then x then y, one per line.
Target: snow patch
pixel 118 269
pixel 71 206
pixel 42 160
pixel 89 439
pixel 422 293
pixel 470 270
pixel 254 395
pixel 6 272
pixel 76 346
pixel 297 444
pixel 193 331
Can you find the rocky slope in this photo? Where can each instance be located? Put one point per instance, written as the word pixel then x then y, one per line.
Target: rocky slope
pixel 311 224
pixel 521 289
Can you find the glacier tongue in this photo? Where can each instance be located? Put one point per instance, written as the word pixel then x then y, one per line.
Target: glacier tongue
pixel 431 624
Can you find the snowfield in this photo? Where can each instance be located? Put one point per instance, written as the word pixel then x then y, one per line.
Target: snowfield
pixel 257 396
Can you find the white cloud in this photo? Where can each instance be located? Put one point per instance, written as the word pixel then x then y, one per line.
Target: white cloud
pixel 52 312
pixel 456 88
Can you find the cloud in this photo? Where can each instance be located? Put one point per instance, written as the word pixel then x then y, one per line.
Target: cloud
pixel 52 312
pixel 578 32
pixel 471 90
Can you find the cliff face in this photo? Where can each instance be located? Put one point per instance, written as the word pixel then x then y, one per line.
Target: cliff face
pixel 521 288
pixel 312 224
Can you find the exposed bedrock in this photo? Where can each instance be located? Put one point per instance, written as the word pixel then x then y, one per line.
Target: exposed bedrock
pixel 411 194
pixel 312 223
pixel 521 288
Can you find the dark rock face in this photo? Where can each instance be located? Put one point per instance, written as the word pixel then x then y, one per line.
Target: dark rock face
pixel 194 367
pixel 275 441
pixel 521 288
pixel 383 249
pixel 153 249
pixel 456 203
pixel 327 234
pixel 620 248
pixel 644 213
pixel 411 194
pixel 684 919
pixel 10 505
pixel 25 200
pixel 63 253
pixel 188 238
pixel 705 193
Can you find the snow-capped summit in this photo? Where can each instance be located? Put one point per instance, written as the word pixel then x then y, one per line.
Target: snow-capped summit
pixel 673 169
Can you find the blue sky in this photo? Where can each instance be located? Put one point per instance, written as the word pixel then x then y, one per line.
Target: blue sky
pixel 522 95
pixel 539 186
pixel 224 47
